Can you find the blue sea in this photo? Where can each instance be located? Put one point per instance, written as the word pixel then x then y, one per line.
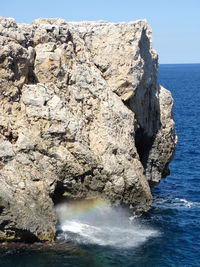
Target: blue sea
pixel 169 234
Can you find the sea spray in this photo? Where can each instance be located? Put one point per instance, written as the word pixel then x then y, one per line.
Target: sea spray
pixel 94 221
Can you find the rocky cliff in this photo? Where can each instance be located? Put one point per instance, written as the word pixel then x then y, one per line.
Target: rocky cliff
pixel 81 116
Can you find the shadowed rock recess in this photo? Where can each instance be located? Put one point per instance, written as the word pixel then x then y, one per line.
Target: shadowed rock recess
pixel 81 116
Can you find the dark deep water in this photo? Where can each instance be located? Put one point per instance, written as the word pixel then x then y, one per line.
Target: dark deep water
pixel 176 211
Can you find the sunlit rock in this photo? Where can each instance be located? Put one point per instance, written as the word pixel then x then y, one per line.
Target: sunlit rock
pixel 81 116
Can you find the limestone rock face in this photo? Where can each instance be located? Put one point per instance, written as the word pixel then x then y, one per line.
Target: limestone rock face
pixel 81 116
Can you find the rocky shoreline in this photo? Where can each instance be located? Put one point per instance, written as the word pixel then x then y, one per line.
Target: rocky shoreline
pixel 81 116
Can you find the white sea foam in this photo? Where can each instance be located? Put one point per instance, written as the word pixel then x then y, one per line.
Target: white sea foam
pixel 185 202
pixel 106 226
pixel 175 203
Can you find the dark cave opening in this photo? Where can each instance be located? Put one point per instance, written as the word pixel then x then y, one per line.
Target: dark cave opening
pixel 143 144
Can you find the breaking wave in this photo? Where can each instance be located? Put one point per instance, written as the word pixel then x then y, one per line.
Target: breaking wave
pixel 97 223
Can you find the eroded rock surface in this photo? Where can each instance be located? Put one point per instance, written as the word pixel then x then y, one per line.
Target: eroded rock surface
pixel 81 116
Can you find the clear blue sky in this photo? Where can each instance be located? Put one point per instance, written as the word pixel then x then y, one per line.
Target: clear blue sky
pixel 175 23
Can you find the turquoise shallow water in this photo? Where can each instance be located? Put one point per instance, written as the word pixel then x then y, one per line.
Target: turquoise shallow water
pixel 175 215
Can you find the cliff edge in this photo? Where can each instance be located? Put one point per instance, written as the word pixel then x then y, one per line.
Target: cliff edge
pixel 81 116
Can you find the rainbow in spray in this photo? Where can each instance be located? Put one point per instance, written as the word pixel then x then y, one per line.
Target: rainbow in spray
pixel 79 208
pixel 94 221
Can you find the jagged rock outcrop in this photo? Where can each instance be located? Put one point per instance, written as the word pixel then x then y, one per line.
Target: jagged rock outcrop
pixel 81 116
